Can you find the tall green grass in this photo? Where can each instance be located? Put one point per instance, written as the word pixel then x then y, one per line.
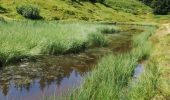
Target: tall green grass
pixel 111 78
pixel 28 38
pixel 146 87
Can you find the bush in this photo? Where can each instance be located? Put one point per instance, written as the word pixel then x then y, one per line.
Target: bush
pixel 161 7
pixel 29 11
pixel 147 2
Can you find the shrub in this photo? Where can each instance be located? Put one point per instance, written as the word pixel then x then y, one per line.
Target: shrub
pixel 29 11
pixel 147 2
pixel 161 7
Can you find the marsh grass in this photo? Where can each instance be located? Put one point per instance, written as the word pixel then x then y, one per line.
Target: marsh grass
pixel 30 38
pixel 112 76
pixel 111 30
pixel 97 39
pixel 146 86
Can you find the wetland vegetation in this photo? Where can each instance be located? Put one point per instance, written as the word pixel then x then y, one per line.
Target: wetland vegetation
pixel 26 39
pixel 84 50
pixel 98 43
pixel 113 75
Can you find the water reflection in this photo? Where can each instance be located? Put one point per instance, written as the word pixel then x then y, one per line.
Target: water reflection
pixel 36 91
pixel 46 76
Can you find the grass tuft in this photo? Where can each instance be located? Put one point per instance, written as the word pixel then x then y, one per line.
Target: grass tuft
pixel 97 39
pixel 111 30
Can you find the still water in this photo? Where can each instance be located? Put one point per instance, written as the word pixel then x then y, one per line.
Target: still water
pixel 57 75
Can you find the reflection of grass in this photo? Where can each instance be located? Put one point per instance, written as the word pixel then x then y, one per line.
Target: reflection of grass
pixel 110 79
pixel 20 39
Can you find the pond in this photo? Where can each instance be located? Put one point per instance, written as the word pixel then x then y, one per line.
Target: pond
pixel 56 74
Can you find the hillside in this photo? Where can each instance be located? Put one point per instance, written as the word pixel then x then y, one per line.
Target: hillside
pixel 112 10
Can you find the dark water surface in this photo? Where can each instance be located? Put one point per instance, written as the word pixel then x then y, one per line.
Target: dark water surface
pixel 55 74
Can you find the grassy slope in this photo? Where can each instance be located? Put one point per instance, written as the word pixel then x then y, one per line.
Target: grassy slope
pixel 125 10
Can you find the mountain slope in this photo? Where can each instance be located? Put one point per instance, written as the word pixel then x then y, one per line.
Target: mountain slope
pixel 113 10
pixel 130 6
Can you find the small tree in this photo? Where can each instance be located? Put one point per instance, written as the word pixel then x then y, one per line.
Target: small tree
pixel 147 2
pixel 159 6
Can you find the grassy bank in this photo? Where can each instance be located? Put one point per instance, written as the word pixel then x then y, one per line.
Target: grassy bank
pixel 161 56
pixel 111 79
pixel 24 39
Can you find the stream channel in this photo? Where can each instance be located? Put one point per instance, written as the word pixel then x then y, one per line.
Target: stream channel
pixel 51 74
